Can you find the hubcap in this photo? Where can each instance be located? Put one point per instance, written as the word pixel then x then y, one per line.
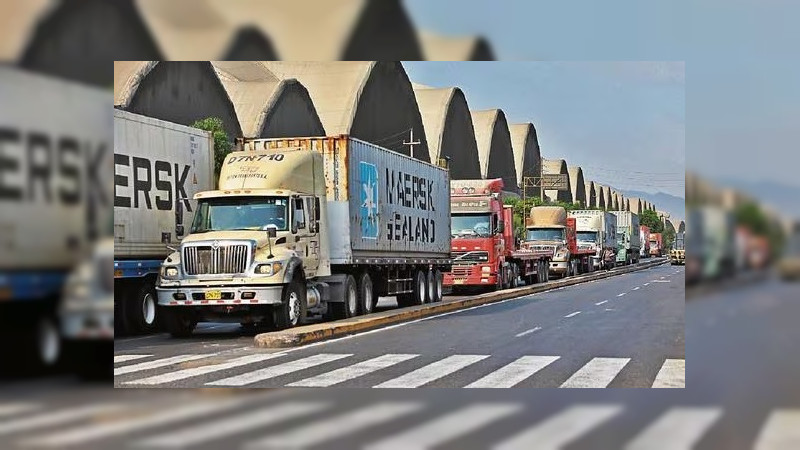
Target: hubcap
pixel 368 296
pixel 149 309
pixel 294 308
pixel 421 286
pixel 49 342
pixel 352 300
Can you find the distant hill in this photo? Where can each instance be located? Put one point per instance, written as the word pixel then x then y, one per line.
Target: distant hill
pixel 675 206
pixel 783 198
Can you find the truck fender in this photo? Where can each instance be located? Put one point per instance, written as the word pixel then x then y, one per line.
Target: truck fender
pixel 293 266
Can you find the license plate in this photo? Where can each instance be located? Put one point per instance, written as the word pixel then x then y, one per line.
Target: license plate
pixel 458 281
pixel 213 295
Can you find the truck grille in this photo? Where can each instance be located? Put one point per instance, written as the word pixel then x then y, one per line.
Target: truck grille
pixel 549 248
pixel 224 259
pixel 468 257
pixel 460 271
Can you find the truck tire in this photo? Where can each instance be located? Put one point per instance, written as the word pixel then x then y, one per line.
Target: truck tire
pixel 514 282
pixel 142 309
pixel 366 294
pixel 178 322
pixel 48 342
pixel 349 307
pixel 435 280
pixel 419 294
pixel 292 311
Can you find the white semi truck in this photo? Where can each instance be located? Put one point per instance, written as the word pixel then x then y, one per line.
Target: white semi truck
pixel 303 227
pixel 597 229
pixel 628 241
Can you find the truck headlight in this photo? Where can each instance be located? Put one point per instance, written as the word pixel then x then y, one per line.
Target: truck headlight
pixel 169 272
pixel 486 269
pixel 561 253
pixel 269 269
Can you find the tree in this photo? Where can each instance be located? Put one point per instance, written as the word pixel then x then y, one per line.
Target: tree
pixel 651 220
pixel 222 145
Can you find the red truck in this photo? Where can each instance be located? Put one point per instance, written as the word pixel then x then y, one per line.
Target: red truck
pixel 656 244
pixel 644 238
pixel 484 246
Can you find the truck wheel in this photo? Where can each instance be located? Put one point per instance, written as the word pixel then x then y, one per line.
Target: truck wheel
pixel 48 342
pixel 435 280
pixel 142 309
pixel 293 307
pixel 178 322
pixel 366 294
pixel 349 307
pixel 514 282
pixel 420 287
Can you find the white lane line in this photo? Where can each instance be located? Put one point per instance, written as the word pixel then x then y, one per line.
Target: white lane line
pixel 335 427
pixel 782 430
pixel 432 371
pixel 203 370
pixel 572 314
pixel 647 284
pixel 527 332
pixel 446 428
pixel 354 371
pixel 126 358
pixel 105 429
pixel 561 429
pixel 217 429
pixel 597 373
pixel 620 295
pixel 10 409
pixel 158 363
pixel 661 281
pixel 514 373
pixel 678 429
pixel 601 303
pixel 636 288
pixel 55 418
pixel 279 370
pixel 672 374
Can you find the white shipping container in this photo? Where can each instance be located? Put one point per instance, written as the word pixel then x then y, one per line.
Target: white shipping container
pixel 627 220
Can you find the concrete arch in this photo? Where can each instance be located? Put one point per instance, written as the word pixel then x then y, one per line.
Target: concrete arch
pixel 577 185
pixel 250 44
pixel 591 195
pixel 494 147
pixel 636 205
pixel 265 105
pixel 603 196
pixel 616 201
pixel 179 92
pixel 449 130
pixel 373 101
pixel 445 48
pixel 527 158
pixel 557 166
pixel 682 227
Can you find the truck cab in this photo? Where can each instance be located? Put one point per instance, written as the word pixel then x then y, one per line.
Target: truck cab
pixel 549 228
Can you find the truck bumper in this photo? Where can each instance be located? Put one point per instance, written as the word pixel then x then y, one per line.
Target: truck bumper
pixel 229 295
pixel 559 267
pixel 474 278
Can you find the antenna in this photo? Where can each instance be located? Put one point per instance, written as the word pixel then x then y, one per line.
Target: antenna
pixel 412 142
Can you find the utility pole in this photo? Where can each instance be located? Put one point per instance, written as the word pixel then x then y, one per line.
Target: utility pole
pixel 412 143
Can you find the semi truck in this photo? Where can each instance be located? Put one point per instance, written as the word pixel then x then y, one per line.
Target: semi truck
pixel 598 230
pixel 55 158
pixel 309 227
pixel 677 255
pixel 158 167
pixel 485 248
pixel 644 235
pixel 711 242
pixel 656 244
pixel 628 242
pixel 548 228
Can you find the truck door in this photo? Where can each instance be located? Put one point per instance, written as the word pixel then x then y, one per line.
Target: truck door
pixel 305 239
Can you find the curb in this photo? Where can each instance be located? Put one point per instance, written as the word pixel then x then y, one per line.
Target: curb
pixel 318 332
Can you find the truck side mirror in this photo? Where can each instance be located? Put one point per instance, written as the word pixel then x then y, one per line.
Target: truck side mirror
pixel 501 226
pixel 179 230
pixel 271 230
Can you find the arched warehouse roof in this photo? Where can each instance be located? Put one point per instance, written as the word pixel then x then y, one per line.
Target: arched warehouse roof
pixel 526 153
pixel 577 185
pixel 557 166
pixel 494 147
pixel 603 196
pixel 266 105
pixel 372 101
pixel 445 48
pixel 636 205
pixel 448 129
pixel 591 195
pixel 176 91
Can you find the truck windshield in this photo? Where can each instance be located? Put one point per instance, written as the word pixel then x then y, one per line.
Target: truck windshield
pixel 586 236
pixel 470 224
pixel 545 234
pixel 240 213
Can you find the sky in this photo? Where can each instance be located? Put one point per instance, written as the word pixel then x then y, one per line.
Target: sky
pixel 623 122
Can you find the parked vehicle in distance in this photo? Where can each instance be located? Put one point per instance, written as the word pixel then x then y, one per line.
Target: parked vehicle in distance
pixel 597 229
pixel 628 243
pixel 159 166
pixel 644 238
pixel 711 244
pixel 677 255
pixel 789 265
pixel 304 227
pixel 656 244
pixel 549 228
pixel 485 250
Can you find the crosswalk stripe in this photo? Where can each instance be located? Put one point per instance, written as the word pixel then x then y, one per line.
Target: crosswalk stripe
pixel 432 371
pixel 562 428
pixel 217 429
pixel 10 409
pixel 514 373
pixel 55 418
pixel 336 427
pixel 447 428
pixel 678 429
pixel 203 370
pixel 126 358
pixel 781 430
pixel 158 363
pixel 597 373
pixel 356 370
pixel 672 374
pixel 279 370
pixel 96 431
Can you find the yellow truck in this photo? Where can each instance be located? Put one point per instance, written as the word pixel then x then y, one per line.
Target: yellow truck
pixel 303 227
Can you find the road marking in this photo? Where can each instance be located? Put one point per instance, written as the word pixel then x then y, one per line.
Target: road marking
pixel 9 409
pixel 216 429
pixel 647 284
pixel 572 314
pixel 104 429
pixel 601 303
pixel 432 371
pixel 158 363
pixel 782 430
pixel 126 358
pixel 677 429
pixel 356 370
pixel 335 427
pixel 446 428
pixel 203 370
pixel 620 295
pixel 636 288
pixel 514 373
pixel 672 374
pixel 527 332
pixel 661 281
pixel 55 418
pixel 597 373
pixel 279 370
pixel 561 429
